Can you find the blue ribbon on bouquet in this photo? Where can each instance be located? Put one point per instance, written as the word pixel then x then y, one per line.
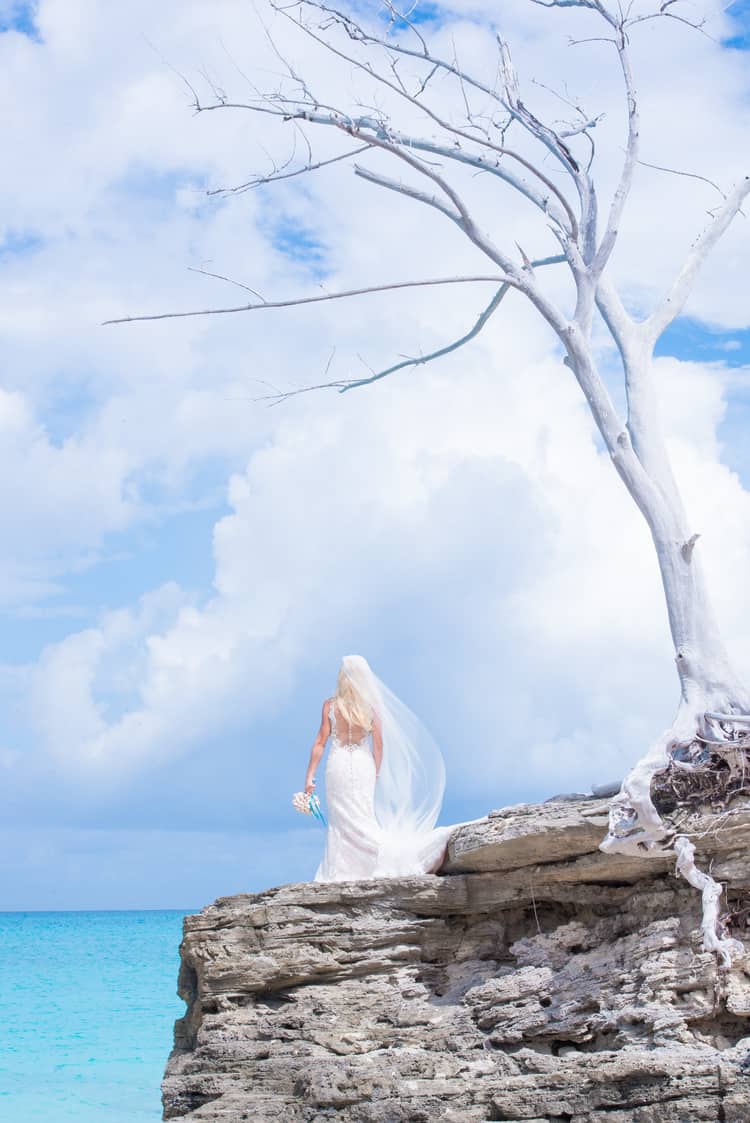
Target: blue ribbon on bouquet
pixel 316 811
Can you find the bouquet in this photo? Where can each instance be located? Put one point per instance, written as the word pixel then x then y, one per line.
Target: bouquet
pixel 308 805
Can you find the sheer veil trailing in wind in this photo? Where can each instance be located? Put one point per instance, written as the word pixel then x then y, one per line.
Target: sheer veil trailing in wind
pixel 411 781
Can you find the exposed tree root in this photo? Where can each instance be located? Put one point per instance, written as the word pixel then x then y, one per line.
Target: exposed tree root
pixel 702 761
pixel 716 776
pixel 713 939
pixel 736 918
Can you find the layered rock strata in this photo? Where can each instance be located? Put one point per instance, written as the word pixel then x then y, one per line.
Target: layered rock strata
pixel 537 979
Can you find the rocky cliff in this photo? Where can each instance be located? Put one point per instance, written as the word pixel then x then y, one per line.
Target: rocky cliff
pixel 537 979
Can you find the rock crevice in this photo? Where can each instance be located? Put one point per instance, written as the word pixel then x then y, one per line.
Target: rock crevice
pixel 537 979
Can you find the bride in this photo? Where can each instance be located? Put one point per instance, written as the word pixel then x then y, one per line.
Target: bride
pixel 384 778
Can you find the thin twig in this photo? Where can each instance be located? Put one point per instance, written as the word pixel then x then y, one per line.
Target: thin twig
pixel 275 177
pixel 229 280
pixel 688 175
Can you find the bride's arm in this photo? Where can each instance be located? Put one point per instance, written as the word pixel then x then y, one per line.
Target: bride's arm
pixel 377 743
pixel 318 748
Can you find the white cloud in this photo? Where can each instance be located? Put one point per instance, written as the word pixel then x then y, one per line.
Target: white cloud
pixel 491 547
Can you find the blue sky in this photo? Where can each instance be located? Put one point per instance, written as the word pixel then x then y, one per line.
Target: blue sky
pixel 690 340
pixel 184 567
pixel 18 15
pixel 739 37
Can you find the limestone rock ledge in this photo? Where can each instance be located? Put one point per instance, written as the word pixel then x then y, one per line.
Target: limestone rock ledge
pixel 537 980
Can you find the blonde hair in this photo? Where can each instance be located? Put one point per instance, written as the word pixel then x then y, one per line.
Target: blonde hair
pixel 350 702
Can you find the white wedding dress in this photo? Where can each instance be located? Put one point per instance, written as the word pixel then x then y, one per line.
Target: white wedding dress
pixel 357 845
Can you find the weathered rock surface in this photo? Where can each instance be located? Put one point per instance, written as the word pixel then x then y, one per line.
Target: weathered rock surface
pixel 538 979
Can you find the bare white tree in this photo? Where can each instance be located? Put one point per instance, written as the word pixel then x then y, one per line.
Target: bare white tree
pixel 551 166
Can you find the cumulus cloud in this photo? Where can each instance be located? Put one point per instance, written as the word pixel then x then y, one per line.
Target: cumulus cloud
pixel 489 554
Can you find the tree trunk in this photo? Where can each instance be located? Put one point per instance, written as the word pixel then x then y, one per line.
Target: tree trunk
pixel 708 682
pixel 707 679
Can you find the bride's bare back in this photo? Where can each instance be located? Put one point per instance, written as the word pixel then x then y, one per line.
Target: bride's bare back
pixel 346 732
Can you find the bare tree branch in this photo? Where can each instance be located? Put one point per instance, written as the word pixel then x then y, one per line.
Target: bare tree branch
pixel 296 301
pixel 579 130
pixel 517 110
pixel 343 385
pixel 567 4
pixel 377 136
pixel 687 175
pixel 483 164
pixel 411 192
pixel 229 280
pixel 613 313
pixel 694 25
pixel 620 198
pixel 483 318
pixel 536 128
pixel 456 154
pixel 400 16
pixel 675 299
pixel 481 322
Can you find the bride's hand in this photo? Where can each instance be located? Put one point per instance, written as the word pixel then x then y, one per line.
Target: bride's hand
pixel 310 787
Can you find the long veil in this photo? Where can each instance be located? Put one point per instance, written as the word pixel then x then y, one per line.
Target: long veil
pixel 411 782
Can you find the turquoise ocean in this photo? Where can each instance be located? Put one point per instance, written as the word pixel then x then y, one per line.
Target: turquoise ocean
pixel 87 1005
